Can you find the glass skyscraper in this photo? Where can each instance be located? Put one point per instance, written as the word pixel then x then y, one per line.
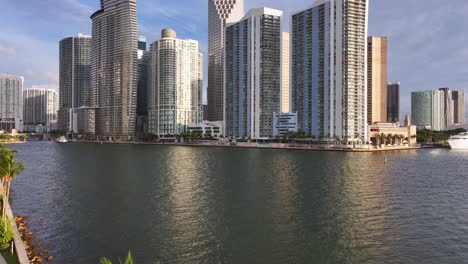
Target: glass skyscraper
pixel 253 74
pixel 393 102
pixel 75 79
pixel 175 86
pixel 329 68
pixel 220 12
pixel 142 91
pixel 114 66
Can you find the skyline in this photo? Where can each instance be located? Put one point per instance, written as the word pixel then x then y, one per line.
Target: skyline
pixel 426 50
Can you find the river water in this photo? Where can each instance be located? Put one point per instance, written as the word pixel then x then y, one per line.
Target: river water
pixel 216 205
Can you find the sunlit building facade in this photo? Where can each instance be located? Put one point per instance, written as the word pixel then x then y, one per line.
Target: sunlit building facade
pixel 11 102
pixel 220 12
pixel 175 74
pixel 253 74
pixel 376 79
pixel 329 68
pixel 114 66
pixel 40 106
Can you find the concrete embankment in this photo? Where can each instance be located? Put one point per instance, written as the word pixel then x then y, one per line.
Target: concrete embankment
pixel 277 146
pixel 19 246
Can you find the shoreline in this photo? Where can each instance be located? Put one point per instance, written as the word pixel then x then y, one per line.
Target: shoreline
pixel 272 146
pixel 20 248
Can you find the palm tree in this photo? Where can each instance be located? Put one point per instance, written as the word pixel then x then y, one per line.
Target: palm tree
pixel 9 169
pixel 129 260
pixel 383 137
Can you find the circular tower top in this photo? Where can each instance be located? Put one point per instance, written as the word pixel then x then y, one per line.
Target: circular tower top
pixel 168 33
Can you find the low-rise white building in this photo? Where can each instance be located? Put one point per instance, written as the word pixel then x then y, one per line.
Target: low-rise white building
pixel 214 129
pixel 380 130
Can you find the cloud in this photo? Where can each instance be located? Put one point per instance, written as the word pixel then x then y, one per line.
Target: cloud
pixel 427 47
pixel 7 51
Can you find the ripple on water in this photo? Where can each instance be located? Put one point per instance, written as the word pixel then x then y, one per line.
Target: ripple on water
pixel 209 205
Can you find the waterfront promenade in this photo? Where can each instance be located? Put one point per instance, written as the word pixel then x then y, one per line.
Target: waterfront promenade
pixel 282 146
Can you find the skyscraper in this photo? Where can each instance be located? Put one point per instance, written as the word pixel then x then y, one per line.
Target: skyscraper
pixel 329 68
pixel 285 91
pixel 40 108
pixel 142 91
pixel 428 110
pixel 458 98
pixel 393 102
pixel 253 70
pixel 175 84
pixel 75 79
pixel 447 107
pixel 376 79
pixel 220 12
pixel 11 102
pixel 114 66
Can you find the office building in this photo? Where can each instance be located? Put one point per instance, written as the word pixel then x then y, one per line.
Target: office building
pixel 75 79
pixel 220 12
pixel 11 102
pixel 285 91
pixel 142 91
pixel 114 66
pixel 329 68
pixel 428 110
pixel 393 102
pixel 253 70
pixel 447 108
pixel 205 112
pixel 458 98
pixel 284 123
pixel 175 84
pixel 40 106
pixel 376 79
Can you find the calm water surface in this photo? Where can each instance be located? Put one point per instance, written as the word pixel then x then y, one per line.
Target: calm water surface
pixel 213 205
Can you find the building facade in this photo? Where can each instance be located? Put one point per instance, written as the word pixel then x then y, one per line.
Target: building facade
pixel 458 98
pixel 175 89
pixel 376 79
pixel 283 123
pixel 87 119
pixel 114 66
pixel 427 110
pixel 253 70
pixel 220 12
pixel 40 108
pixel 142 90
pixel 207 128
pixel 11 102
pixel 393 102
pixel 75 79
pixel 285 68
pixel 407 132
pixel 437 109
pixel 329 68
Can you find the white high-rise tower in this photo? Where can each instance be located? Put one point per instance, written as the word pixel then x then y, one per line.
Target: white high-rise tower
pixel 329 68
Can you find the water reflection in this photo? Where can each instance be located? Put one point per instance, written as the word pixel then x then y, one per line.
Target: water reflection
pixel 209 205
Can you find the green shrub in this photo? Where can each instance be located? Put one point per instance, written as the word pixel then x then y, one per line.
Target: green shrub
pixel 6 236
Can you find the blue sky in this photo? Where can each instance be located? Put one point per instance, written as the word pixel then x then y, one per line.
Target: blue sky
pixel 427 38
